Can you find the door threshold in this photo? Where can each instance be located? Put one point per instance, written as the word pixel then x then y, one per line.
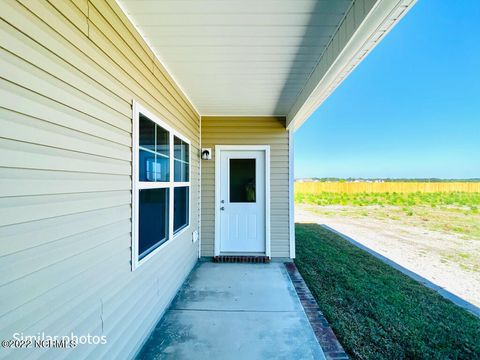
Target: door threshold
pixel 253 259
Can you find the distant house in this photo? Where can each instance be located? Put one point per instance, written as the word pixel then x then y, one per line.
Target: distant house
pixel 108 108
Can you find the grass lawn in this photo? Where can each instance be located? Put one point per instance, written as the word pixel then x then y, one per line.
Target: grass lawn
pixel 469 200
pixel 376 311
pixel 450 212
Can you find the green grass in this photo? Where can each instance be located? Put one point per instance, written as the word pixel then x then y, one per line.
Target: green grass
pixel 449 212
pixel 376 311
pixel 464 199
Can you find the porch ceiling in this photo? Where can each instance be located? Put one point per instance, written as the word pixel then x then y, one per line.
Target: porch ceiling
pixel 245 57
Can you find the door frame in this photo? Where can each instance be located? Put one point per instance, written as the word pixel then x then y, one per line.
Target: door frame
pixel 218 150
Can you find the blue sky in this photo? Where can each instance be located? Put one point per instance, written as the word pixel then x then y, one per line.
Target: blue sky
pixel 410 109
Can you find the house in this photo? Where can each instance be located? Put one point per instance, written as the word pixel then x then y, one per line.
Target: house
pixel 107 110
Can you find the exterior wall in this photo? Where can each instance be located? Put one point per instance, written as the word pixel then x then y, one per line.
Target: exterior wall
pixel 69 72
pixel 249 131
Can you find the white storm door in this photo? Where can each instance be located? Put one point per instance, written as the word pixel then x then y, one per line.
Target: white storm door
pixel 242 201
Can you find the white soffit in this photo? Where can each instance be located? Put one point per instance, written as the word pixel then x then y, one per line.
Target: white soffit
pixel 239 57
pixel 262 57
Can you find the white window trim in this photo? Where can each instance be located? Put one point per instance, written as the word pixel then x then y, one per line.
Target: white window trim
pixel 171 184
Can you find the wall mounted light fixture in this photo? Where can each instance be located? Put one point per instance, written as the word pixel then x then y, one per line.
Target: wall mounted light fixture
pixel 206 154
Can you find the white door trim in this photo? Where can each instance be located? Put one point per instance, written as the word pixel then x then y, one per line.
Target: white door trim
pixel 218 150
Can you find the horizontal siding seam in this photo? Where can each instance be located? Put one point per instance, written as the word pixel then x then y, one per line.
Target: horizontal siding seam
pixel 66 258
pixel 70 213
pixel 69 150
pixel 69 18
pixel 101 261
pixel 61 170
pixel 66 105
pixel 68 193
pixel 53 264
pixel 68 65
pixel 41 80
pixel 66 127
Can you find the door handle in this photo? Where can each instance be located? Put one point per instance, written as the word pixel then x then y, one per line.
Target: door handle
pixel 222 208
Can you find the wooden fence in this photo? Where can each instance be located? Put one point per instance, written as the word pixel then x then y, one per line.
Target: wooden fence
pixel 399 187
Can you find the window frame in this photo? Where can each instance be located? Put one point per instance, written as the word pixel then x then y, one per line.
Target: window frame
pixel 138 185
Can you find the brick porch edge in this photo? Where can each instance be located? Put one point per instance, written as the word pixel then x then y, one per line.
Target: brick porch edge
pixel 326 338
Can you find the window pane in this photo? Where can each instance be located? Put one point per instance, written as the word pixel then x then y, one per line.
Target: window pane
pixel 182 158
pixel 180 208
pixel 146 141
pixel 152 220
pixel 154 151
pixel 163 153
pixel 242 180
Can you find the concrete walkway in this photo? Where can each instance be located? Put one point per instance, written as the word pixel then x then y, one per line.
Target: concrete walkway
pixel 234 311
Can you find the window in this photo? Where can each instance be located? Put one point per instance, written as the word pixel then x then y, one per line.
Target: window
pixel 242 180
pixel 160 183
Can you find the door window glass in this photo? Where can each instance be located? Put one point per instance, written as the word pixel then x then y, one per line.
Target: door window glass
pixel 242 180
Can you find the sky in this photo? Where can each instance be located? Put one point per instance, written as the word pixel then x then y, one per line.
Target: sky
pixel 411 109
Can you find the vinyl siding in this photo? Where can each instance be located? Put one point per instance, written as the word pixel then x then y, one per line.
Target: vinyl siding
pixel 249 131
pixel 69 72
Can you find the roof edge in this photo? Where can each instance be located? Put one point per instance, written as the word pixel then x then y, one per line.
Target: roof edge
pixel 337 62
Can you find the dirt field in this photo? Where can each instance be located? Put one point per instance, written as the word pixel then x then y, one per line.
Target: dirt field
pixel 432 242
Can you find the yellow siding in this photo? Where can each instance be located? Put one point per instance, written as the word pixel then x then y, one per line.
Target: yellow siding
pixel 248 131
pixel 69 71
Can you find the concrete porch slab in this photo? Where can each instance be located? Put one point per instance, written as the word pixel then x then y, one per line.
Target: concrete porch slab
pixel 234 311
